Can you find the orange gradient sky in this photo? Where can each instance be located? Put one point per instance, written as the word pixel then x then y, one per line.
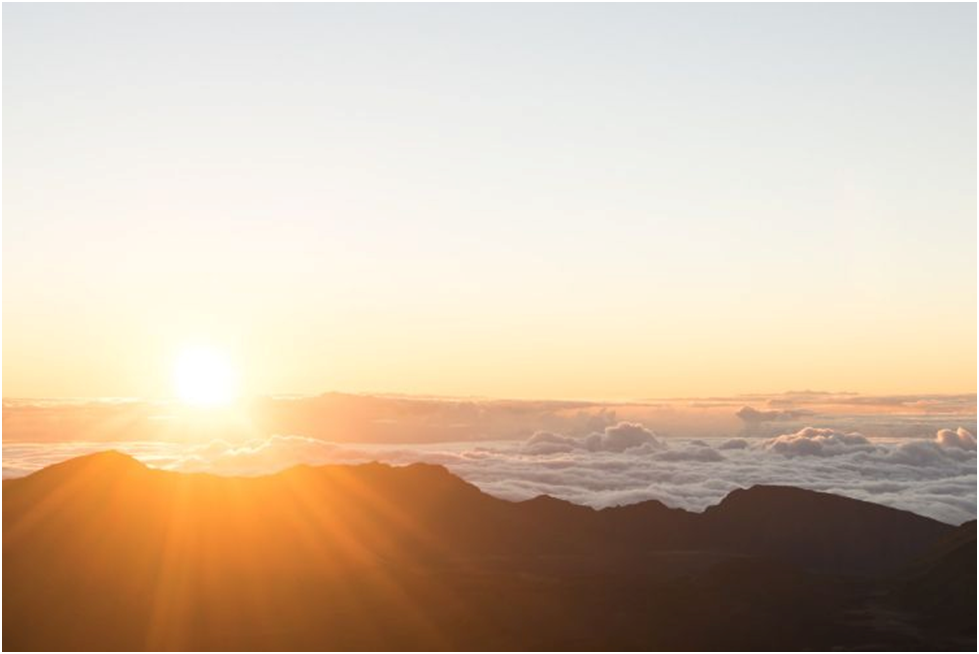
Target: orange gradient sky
pixel 511 201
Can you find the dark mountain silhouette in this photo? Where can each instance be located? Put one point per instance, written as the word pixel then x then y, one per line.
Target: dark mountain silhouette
pixel 940 586
pixel 101 552
pixel 818 530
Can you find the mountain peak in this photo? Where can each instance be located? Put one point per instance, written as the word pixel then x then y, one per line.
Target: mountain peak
pixel 545 500
pixel 819 530
pixel 105 462
pixel 766 490
pixel 770 495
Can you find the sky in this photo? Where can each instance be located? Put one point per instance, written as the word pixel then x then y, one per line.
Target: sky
pixel 528 201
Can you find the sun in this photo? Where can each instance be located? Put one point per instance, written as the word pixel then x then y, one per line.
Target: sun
pixel 204 377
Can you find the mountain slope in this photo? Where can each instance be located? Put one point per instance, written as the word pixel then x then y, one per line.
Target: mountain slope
pixel 818 530
pixel 103 553
pixel 940 585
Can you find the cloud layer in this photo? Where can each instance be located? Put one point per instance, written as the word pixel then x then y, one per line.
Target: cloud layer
pixel 618 464
pixel 351 418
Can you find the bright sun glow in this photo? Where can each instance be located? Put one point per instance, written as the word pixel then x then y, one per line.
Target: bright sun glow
pixel 204 377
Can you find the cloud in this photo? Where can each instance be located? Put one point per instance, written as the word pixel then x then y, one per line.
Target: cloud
pixel 375 419
pixel 753 416
pixel 734 444
pixel 261 455
pixel 948 445
pixel 620 437
pixel 814 441
pixel 964 404
pixel 545 442
pixel 918 453
pixel 961 438
pixel 694 453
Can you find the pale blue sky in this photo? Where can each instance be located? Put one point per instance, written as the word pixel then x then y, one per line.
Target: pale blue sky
pixel 521 200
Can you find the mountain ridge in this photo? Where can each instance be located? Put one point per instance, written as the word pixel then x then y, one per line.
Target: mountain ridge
pixel 809 528
pixel 123 461
pixel 104 552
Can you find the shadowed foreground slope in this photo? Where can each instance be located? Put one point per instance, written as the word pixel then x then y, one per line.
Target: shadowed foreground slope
pixel 101 552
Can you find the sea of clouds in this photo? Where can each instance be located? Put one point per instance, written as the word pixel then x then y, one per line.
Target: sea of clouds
pixel 621 463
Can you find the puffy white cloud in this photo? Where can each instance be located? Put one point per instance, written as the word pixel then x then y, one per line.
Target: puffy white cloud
pixel 545 442
pixel 620 437
pixel 948 446
pixel 815 441
pixel 961 438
